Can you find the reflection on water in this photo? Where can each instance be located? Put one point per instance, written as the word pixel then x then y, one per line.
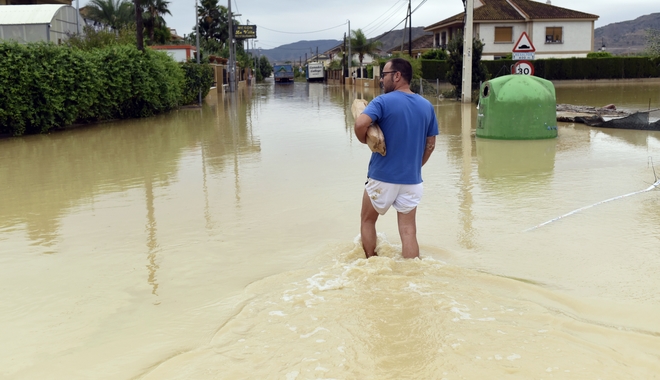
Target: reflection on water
pixel 466 237
pixel 637 139
pixel 502 158
pixel 152 242
pixel 505 164
pixel 49 174
pixel 246 262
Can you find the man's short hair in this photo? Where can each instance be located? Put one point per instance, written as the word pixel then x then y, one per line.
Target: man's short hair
pixel 402 66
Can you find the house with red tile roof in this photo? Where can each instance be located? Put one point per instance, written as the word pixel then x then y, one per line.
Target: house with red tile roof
pixel 554 32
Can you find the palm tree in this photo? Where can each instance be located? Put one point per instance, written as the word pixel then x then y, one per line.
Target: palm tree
pixel 362 46
pixel 139 25
pixel 213 20
pixel 153 15
pixel 113 14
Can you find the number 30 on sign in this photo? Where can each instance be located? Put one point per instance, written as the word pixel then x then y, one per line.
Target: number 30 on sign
pixel 523 67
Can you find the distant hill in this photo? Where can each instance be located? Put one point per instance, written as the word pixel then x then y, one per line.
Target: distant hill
pixel 626 37
pixel 394 38
pixel 295 51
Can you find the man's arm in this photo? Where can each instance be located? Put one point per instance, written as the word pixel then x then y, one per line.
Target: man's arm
pixel 428 149
pixel 361 124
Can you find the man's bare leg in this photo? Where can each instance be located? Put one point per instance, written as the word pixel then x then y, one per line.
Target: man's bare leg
pixel 368 217
pixel 408 233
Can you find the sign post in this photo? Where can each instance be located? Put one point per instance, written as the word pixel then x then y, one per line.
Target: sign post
pixel 523 49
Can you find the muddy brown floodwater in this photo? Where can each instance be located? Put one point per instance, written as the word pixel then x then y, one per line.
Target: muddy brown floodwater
pixel 222 243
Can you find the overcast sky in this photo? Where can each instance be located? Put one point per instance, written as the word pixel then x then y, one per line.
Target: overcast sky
pixel 281 22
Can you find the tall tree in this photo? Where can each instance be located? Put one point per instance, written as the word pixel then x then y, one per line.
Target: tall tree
pixel 154 10
pixel 653 42
pixel 139 25
pixel 361 46
pixel 113 14
pixel 455 60
pixel 265 69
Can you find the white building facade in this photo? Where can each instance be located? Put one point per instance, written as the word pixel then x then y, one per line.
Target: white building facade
pixel 555 32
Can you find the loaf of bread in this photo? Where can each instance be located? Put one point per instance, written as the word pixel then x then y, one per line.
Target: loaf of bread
pixel 375 137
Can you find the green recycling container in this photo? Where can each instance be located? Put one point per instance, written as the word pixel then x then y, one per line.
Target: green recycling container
pixel 517 107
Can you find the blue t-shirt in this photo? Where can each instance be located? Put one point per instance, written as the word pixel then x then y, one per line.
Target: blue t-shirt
pixel 406 121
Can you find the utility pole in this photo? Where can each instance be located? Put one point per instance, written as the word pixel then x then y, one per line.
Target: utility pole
pixel 466 90
pixel 247 42
pixel 409 30
pixel 232 65
pixel 256 59
pixel 403 35
pixel 199 97
pixel 343 60
pixel 78 16
pixel 139 26
pixel 350 57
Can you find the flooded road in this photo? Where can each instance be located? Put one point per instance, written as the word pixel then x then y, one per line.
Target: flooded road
pixel 222 243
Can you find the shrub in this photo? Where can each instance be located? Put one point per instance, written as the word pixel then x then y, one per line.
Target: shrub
pixel 196 77
pixel 44 86
pixel 436 54
pixel 599 54
pixel 97 39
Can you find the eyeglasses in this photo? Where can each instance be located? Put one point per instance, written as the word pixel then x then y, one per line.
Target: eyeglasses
pixel 388 72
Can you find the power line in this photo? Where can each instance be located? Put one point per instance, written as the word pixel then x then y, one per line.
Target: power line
pixel 236 6
pixel 384 13
pixel 420 4
pixel 370 30
pixel 406 18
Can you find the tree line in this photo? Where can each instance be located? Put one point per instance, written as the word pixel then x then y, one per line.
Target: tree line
pixel 121 17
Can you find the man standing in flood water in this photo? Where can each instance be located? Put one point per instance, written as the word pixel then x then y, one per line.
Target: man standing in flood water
pixel 409 125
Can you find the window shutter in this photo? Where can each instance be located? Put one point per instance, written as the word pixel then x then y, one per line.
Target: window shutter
pixel 503 34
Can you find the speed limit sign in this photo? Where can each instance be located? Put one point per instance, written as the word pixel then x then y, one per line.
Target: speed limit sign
pixel 523 67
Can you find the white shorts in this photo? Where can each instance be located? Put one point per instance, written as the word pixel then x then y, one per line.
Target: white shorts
pixel 404 198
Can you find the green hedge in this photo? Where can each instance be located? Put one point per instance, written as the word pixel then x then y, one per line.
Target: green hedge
pixel 45 86
pixel 562 69
pixel 197 76
pixel 434 69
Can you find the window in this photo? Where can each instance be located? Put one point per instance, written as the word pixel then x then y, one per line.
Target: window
pixel 504 34
pixel 553 35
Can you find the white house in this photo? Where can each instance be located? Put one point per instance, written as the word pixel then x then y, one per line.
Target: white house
pixel 335 53
pixel 555 32
pixel 180 53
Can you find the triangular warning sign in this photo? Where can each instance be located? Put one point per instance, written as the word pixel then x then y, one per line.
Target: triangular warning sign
pixel 524 44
